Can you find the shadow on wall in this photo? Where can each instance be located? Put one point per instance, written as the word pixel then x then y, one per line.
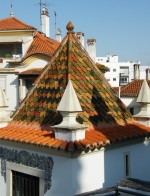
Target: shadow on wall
pixel 65 177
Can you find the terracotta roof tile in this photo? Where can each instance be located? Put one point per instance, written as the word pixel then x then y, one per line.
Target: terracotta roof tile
pixel 41 45
pixel 132 89
pixel 93 139
pixel 14 24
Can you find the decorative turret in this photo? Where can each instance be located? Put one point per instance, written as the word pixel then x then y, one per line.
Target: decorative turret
pixel 144 94
pixel 4 117
pixel 69 129
pixel 45 21
pixel 143 116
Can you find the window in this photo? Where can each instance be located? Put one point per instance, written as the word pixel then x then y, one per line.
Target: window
pixel 24 184
pixel 8 49
pixel 20 179
pixel 114 70
pixel 127 164
pixel 114 79
pixel 29 85
pixel 124 71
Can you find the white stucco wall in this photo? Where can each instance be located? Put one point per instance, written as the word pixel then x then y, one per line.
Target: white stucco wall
pixel 130 102
pixel 77 175
pixel 9 82
pixel 2 184
pixel 89 172
pixel 39 63
pixel 113 64
pixel 138 163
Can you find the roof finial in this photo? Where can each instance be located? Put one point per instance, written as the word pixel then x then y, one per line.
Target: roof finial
pixel 11 11
pixel 70 27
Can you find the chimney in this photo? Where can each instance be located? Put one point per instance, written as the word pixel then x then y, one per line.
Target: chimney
pixel 45 21
pixel 80 37
pixel 148 74
pixel 58 35
pixel 136 71
pixel 91 48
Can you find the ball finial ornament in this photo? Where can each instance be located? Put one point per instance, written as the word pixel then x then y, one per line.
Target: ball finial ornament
pixel 70 27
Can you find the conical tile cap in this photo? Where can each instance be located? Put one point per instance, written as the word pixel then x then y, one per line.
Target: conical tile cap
pixel 3 99
pixel 69 101
pixel 144 94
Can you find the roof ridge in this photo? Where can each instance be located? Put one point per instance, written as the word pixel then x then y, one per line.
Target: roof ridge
pixel 43 37
pixel 23 22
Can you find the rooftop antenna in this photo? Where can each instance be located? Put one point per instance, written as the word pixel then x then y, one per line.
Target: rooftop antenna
pixel 42 4
pixel 11 11
pixel 55 21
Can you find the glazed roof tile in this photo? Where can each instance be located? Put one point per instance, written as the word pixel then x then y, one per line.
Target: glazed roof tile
pixel 41 45
pixel 132 89
pixel 71 61
pixel 106 115
pixel 13 23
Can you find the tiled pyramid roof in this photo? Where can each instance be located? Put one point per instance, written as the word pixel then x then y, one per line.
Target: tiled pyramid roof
pixel 132 89
pixel 107 117
pixel 42 45
pixel 71 61
pixel 13 23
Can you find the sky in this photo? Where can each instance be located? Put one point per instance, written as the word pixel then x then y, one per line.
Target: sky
pixel 120 27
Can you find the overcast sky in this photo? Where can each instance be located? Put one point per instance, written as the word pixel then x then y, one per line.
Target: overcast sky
pixel 120 27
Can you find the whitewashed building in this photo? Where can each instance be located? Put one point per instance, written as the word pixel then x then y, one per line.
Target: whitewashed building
pixel 71 134
pixel 23 53
pixel 120 73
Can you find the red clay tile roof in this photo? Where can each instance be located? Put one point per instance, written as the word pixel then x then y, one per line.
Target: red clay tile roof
pixel 34 71
pixel 132 89
pixel 116 89
pixel 94 139
pixel 14 24
pixel 42 45
pixel 102 110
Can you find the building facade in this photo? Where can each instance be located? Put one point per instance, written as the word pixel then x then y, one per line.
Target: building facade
pixel 71 134
pixel 23 52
